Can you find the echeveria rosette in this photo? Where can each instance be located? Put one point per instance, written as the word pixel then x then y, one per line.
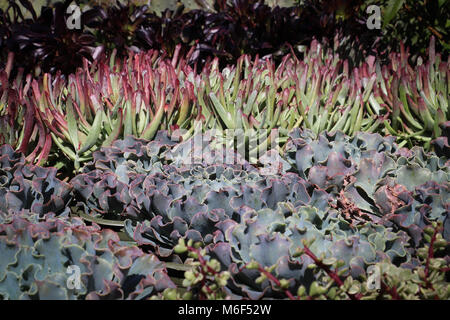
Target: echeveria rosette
pixel 36 254
pixel 194 206
pixel 409 187
pixel 128 194
pixel 30 187
pixel 169 198
pixel 328 158
pixel 375 176
pixel 107 184
pixel 272 237
pixel 131 153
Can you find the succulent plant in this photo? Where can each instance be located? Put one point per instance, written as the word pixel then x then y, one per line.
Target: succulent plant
pixel 203 280
pixel 18 118
pixel 245 26
pixel 271 238
pixel 415 22
pixel 146 182
pixel 36 255
pixel 46 43
pixel 418 97
pixel 200 208
pixel 318 92
pixel 371 175
pixel 87 111
pixel 326 158
pixel 425 278
pixel 30 187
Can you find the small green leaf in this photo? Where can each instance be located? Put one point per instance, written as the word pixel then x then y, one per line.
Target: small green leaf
pixel 260 279
pixel 391 10
pixel 316 290
pixel 117 128
pixel 252 265
pixel 284 283
pixel 354 289
pixel 170 294
pixel 329 261
pixel 301 291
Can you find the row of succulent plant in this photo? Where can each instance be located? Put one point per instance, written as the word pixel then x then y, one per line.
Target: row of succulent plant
pixel 147 182
pixel 214 28
pixel 364 195
pixel 40 254
pixel 426 279
pixel 357 200
pixel 147 92
pixel 46 43
pixel 371 176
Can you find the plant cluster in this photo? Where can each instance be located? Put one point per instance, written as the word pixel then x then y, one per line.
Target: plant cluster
pixel 339 203
pixel 244 26
pixel 351 199
pixel 424 280
pixel 37 252
pixel 145 93
pixel 414 23
pixel 401 22
pixel 227 162
pixel 224 29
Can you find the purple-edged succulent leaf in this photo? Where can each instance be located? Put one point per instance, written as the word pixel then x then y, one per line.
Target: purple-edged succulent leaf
pixel 30 187
pixel 37 252
pixel 370 175
pixel 271 238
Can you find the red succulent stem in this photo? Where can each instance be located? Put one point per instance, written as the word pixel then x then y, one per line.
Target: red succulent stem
pixel 332 274
pixel 271 277
pixel 430 256
pixel 392 291
pixel 203 265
